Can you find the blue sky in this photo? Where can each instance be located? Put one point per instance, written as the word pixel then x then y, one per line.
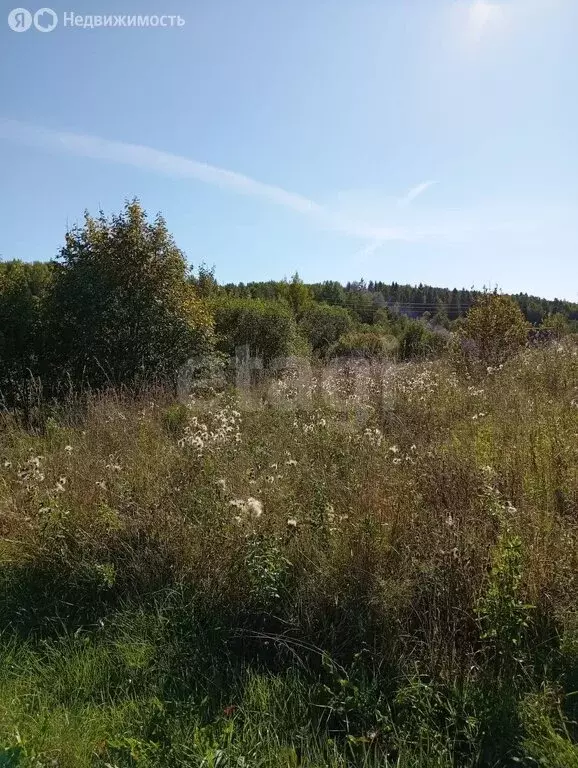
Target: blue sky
pixel 429 141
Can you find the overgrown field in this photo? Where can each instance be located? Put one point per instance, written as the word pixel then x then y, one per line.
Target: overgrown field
pixel 373 567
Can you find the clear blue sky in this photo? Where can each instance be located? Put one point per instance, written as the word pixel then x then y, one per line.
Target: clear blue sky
pixel 429 141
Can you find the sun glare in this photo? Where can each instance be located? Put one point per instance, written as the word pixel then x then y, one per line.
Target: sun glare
pixel 482 15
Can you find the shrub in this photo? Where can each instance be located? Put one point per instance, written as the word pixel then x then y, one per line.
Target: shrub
pixel 266 327
pixel 556 325
pixel 121 308
pixel 418 341
pixel 323 326
pixel 23 289
pixel 494 329
pixel 364 345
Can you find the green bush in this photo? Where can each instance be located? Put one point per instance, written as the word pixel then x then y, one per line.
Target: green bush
pixel 121 308
pixel 417 341
pixel 323 325
pixel 266 327
pixel 556 325
pixel 23 289
pixel 365 345
pixel 494 329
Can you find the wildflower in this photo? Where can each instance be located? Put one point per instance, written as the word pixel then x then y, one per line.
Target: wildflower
pixel 394 449
pixel 291 463
pixel 68 449
pixel 373 436
pixel 60 485
pixel 254 507
pixel 31 472
pixel 292 522
pixel 224 426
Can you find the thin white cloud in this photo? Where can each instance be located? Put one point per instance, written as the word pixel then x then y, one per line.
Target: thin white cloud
pixel 373 224
pixel 416 192
pixel 403 202
pixel 175 166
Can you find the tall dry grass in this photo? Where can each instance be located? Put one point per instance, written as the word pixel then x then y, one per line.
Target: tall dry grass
pixel 403 538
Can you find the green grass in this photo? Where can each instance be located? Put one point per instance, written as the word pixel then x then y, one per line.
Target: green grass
pixel 376 569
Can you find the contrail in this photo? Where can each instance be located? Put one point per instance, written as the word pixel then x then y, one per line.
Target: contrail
pixel 175 166
pixel 416 192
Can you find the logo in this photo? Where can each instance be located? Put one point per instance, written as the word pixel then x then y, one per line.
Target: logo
pixel 20 20
pixel 45 20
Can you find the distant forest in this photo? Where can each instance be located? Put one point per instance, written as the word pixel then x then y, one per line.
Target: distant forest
pixel 121 304
pixel 364 299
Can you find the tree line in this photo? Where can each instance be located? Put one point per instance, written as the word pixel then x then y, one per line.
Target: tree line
pixel 120 304
pixel 364 299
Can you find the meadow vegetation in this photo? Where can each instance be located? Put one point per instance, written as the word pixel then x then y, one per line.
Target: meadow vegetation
pixel 353 561
pixel 364 565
